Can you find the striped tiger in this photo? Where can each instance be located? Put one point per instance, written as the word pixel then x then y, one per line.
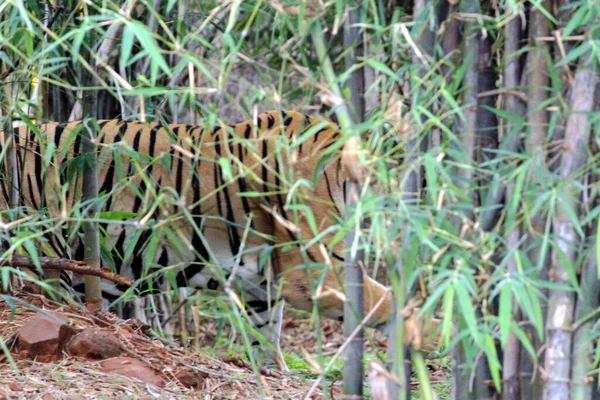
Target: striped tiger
pixel 235 198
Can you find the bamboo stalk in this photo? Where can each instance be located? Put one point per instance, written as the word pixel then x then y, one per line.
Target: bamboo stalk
pixel 461 386
pixel 352 371
pixel 91 236
pixel 353 308
pixel 561 303
pixel 398 353
pixel 583 341
pixel 512 77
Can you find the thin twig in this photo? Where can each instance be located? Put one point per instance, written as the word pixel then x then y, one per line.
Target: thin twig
pixel 520 95
pixel 64 264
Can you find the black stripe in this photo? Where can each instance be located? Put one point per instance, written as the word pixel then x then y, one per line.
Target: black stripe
pixel 108 182
pixel 19 174
pixel 319 132
pixel 38 174
pixel 179 174
pixel 264 169
pixel 278 188
pixel 151 149
pixel 270 121
pixel 247 131
pixel 233 234
pixel 136 146
pixel 102 123
pixel 259 306
pixel 331 194
pixel 202 253
pixel 242 186
pixel 306 121
pixel 136 140
pixel 33 202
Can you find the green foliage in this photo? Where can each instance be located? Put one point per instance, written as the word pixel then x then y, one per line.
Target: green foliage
pixel 249 56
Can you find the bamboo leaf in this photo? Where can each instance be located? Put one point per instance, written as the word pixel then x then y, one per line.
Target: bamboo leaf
pixel 117 215
pixel 524 339
pixel 127 44
pixel 493 362
pixel 32 250
pixel 467 309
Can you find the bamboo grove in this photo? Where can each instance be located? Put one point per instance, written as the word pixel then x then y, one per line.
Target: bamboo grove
pixel 478 123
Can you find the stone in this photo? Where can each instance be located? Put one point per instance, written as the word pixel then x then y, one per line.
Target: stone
pixel 15 387
pixel 131 368
pixel 94 344
pixel 43 338
pixel 191 379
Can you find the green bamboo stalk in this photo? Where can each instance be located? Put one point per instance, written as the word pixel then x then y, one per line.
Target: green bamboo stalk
pixel 561 303
pixel 512 77
pixel 583 340
pixel 352 371
pixel 424 37
pixel 461 387
pixel 91 236
pixel 537 82
pixel 353 276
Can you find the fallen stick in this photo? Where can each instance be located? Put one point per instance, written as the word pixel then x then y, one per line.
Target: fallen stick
pixel 67 265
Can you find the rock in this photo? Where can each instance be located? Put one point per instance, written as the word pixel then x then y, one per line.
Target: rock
pixel 95 344
pixel 131 368
pixel 75 397
pixel 48 396
pixel 15 387
pixel 191 379
pixel 42 337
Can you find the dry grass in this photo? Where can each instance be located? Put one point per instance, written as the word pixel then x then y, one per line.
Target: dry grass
pixel 73 378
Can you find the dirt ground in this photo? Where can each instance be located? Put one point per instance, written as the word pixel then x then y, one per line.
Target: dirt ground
pixel 210 378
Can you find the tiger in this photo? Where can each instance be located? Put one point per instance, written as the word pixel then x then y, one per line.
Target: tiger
pixel 266 191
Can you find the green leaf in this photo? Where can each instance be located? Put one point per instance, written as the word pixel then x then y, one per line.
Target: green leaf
pixel 493 362
pixel 24 14
pixel 117 215
pixel 79 36
pixel 584 48
pixel 373 63
pixel 467 309
pixel 524 339
pixel 431 174
pixel 149 45
pixel 127 44
pixel 32 250
pixel 226 169
pixel 538 5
